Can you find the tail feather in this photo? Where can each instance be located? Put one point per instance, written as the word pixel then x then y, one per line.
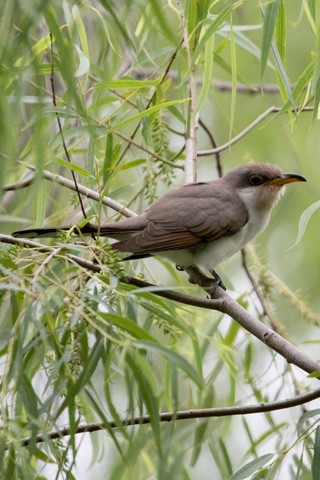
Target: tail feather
pixel 119 229
pixel 39 232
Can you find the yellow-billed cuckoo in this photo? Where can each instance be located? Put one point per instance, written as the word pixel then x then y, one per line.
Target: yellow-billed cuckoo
pixel 198 224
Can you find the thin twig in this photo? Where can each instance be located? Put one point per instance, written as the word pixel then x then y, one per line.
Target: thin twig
pixel 16 186
pixel 147 150
pixel 164 76
pixel 192 123
pixel 221 85
pixel 62 135
pixel 256 121
pixel 179 415
pixel 87 192
pixel 214 145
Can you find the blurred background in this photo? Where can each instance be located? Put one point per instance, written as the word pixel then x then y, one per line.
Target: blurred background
pixel 96 67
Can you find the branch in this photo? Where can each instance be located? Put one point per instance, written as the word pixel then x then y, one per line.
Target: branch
pixel 192 124
pixel 222 85
pixel 222 302
pixel 180 415
pixel 23 184
pixel 109 202
pixel 214 145
pixel 259 119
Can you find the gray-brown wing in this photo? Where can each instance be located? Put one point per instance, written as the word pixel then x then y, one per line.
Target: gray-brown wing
pixel 187 216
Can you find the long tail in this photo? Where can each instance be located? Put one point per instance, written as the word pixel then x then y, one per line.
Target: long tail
pixel 112 231
pixel 121 229
pixel 52 232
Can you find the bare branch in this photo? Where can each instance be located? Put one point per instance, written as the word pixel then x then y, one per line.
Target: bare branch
pixel 181 415
pixel 214 145
pixel 88 192
pixel 222 85
pixel 16 186
pixel 259 119
pixel 192 124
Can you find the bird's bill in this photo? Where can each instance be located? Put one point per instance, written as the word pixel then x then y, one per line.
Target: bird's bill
pixel 286 178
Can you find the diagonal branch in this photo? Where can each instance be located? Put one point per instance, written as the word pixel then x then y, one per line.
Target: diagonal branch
pixel 87 192
pixel 256 121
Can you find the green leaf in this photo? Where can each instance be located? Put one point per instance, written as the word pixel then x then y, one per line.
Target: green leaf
pixel 174 357
pixel 148 111
pixel 213 27
pixel 252 467
pixel 128 325
pixel 234 81
pixel 269 20
pixel 84 377
pixel 29 398
pixel 127 83
pixel 315 466
pixel 145 380
pixel 281 31
pixel 81 31
pixel 316 78
pixel 283 74
pixel 84 63
pixel 300 86
pixel 72 166
pixel 304 220
pixel 305 418
pixel 207 71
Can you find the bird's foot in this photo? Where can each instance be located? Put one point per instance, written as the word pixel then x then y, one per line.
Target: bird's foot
pixel 218 279
pixel 197 277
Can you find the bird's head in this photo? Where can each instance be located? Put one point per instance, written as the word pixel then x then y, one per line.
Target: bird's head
pixel 262 183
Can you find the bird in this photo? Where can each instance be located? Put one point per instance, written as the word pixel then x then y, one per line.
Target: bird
pixel 197 224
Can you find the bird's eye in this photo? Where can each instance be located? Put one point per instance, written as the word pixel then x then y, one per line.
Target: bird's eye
pixel 256 179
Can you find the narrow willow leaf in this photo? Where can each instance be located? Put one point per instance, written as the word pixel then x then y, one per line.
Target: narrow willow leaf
pixel 191 16
pixel 301 85
pixel 61 111
pixel 40 204
pixel 127 83
pixel 269 20
pixel 84 377
pixel 305 418
pixel 72 166
pixel 281 32
pixel 41 45
pixel 162 21
pixel 148 111
pixel 283 74
pixel 314 374
pixel 128 325
pixel 234 81
pixel 141 371
pixel 304 220
pixel 28 396
pixel 315 466
pixel 81 31
pixel 251 467
pixel 108 158
pixel 84 63
pixel 179 360
pixel 213 27
pixel 316 80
